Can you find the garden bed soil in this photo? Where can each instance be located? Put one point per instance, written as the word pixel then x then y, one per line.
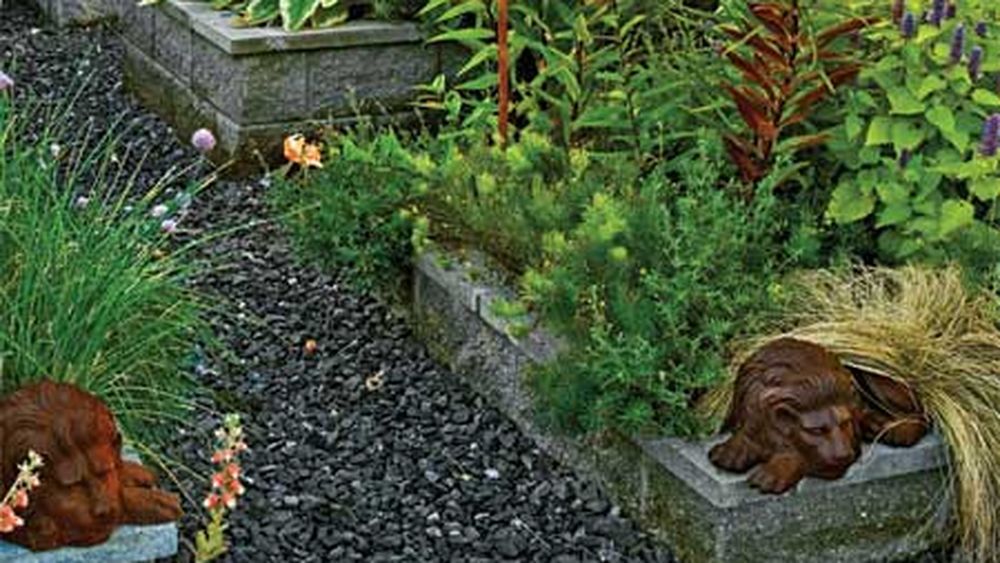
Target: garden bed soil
pixel 893 504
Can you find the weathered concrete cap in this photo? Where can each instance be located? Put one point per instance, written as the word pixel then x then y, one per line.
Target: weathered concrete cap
pixel 127 544
pixel 218 27
pixel 689 461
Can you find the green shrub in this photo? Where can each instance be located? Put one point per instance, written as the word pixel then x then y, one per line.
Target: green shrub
pixel 911 138
pixel 294 15
pixel 352 215
pixel 89 294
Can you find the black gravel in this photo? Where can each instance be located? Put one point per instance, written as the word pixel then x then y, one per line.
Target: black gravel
pixel 419 468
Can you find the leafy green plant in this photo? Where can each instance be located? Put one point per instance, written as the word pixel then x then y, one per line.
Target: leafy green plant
pixel 787 68
pixel 609 76
pixel 89 291
pixel 916 138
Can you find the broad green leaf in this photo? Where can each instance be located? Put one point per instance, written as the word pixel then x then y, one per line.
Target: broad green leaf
pixel 985 98
pixel 295 13
pixel 849 203
pixel 943 118
pixel 892 193
pixel 879 132
pixel 986 189
pixel 893 214
pixel 930 84
pixel 906 135
pixel 902 102
pixel 955 214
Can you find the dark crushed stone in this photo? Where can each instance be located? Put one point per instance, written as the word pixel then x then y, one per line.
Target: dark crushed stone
pixel 421 469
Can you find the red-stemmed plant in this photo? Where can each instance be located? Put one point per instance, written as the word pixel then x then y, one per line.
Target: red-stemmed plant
pixel 785 71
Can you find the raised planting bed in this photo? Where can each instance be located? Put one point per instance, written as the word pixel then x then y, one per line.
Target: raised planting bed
pixel 893 504
pixel 252 86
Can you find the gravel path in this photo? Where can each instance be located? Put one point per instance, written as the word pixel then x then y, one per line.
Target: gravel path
pixel 418 469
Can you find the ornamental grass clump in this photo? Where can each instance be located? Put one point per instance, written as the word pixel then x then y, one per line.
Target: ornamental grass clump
pixel 92 292
pixel 923 327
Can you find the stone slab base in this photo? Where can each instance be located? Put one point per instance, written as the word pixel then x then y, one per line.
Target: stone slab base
pixel 894 504
pixel 252 86
pixel 127 544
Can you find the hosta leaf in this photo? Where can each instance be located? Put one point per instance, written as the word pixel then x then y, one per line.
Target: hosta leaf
pixel 261 11
pixel 295 13
pixel 930 84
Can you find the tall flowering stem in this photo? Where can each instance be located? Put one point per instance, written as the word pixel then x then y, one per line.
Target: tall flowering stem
pixel 503 68
pixel 17 496
pixel 210 543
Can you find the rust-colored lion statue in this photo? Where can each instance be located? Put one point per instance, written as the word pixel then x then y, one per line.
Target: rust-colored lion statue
pixel 87 489
pixel 797 411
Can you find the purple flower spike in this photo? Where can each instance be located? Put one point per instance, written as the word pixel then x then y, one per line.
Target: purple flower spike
pixel 203 140
pixel 976 62
pixel 6 82
pixel 898 8
pixel 957 45
pixel 991 136
pixel 938 9
pixel 982 29
pixel 908 26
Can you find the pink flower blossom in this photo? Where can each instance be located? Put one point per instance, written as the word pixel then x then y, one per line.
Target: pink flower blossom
pixel 20 499
pixel 203 141
pixel 212 501
pixel 6 82
pixel 8 519
pixel 168 226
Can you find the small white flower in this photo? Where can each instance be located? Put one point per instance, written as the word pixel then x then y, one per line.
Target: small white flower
pixel 159 210
pixel 168 226
pixel 81 202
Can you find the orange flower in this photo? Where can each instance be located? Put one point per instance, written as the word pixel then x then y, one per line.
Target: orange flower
pixel 298 151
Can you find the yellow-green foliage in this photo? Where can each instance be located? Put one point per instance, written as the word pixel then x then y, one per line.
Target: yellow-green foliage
pixel 924 327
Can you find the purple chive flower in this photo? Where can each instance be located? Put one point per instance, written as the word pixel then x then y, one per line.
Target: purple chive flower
pixel 976 62
pixel 957 44
pixel 982 29
pixel 203 140
pixel 898 8
pixel 938 9
pixel 904 158
pixel 991 136
pixel 168 226
pixel 158 210
pixel 908 25
pixel 6 82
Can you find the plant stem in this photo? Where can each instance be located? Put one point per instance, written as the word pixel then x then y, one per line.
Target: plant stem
pixel 503 68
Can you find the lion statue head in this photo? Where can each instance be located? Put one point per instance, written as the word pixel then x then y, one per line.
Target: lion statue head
pixel 87 489
pixel 795 412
